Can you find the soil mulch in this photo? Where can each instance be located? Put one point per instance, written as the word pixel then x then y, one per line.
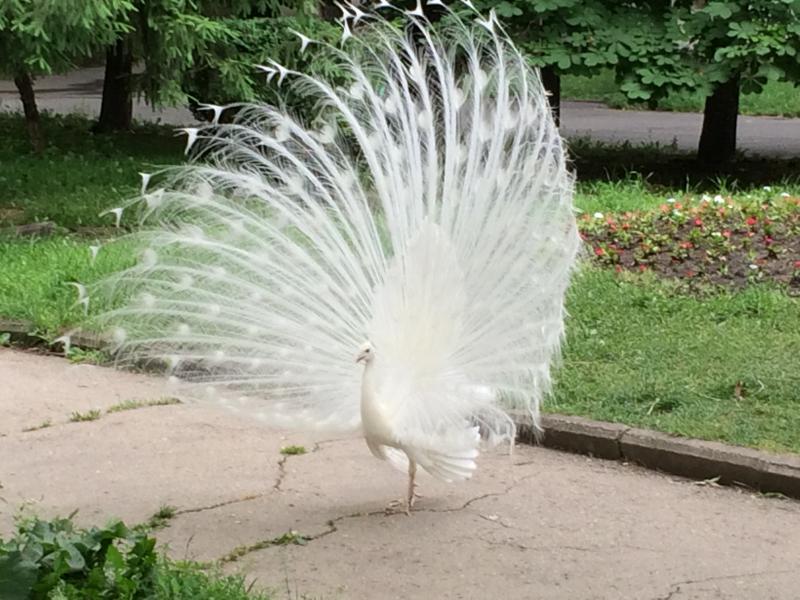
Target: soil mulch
pixel 715 241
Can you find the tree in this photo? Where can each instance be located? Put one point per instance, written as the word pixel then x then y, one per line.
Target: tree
pixel 718 47
pixel 38 38
pixel 169 38
pixel 562 36
pixel 743 45
pixel 197 51
pixel 661 47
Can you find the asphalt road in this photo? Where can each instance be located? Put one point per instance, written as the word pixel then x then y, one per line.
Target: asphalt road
pixel 80 91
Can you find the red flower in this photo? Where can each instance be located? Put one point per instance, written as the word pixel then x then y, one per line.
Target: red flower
pixel 644 267
pixel 751 221
pixel 626 226
pixel 797 264
pixel 686 245
pixel 768 240
pixel 698 222
pixel 599 251
pixel 726 233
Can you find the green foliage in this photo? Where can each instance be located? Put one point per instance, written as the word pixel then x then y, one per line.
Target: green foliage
pixel 54 560
pixel 84 356
pixel 230 75
pixel 778 98
pixel 172 37
pixel 293 450
pixel 659 48
pixel 45 37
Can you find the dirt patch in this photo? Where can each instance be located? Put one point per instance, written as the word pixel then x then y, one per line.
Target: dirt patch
pixel 714 241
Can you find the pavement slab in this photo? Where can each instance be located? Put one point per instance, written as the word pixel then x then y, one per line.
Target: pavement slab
pixel 535 524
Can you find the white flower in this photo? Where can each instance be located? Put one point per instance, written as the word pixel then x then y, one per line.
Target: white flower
pixel 719 199
pixel 767 188
pixel 706 198
pixel 785 195
pixel 754 267
pixel 598 215
pixel 677 213
pixel 671 200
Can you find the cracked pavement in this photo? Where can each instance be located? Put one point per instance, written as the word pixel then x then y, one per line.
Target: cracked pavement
pixel 538 524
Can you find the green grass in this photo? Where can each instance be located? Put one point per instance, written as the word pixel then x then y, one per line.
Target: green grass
pixel 80 175
pixel 777 98
pixel 162 517
pixel 293 450
pixel 136 404
pixel 90 415
pixel 723 367
pixel 638 351
pixel 635 193
pixel 35 276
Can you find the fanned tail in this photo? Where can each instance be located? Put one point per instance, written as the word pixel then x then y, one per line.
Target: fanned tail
pixel 427 208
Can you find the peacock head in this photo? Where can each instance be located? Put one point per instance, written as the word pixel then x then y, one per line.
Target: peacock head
pixel 366 353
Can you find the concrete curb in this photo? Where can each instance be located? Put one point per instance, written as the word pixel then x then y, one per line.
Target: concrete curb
pixel 20 333
pixel 695 459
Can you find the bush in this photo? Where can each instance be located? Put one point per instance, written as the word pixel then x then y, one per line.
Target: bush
pixel 54 560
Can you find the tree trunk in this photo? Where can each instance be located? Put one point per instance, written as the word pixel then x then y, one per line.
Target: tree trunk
pixel 718 138
pixel 24 83
pixel 328 11
pixel 116 110
pixel 552 84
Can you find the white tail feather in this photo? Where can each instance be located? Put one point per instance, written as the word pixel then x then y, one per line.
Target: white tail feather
pixel 432 214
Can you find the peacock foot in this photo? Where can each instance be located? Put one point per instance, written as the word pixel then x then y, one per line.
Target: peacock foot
pixel 395 507
pixel 402 506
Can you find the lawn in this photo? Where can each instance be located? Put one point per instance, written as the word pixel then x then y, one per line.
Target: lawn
pixel 80 174
pixel 777 98
pixel 713 357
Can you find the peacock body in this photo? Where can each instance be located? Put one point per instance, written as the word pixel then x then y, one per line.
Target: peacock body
pixel 426 210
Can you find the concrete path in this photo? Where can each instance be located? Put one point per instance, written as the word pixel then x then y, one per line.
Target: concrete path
pixel 80 91
pixel 540 524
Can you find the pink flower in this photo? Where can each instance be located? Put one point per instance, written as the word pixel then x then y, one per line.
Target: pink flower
pixel 751 221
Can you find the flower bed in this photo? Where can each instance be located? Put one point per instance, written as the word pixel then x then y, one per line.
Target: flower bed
pixel 718 241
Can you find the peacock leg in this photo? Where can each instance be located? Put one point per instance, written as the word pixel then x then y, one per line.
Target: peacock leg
pixel 412 494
